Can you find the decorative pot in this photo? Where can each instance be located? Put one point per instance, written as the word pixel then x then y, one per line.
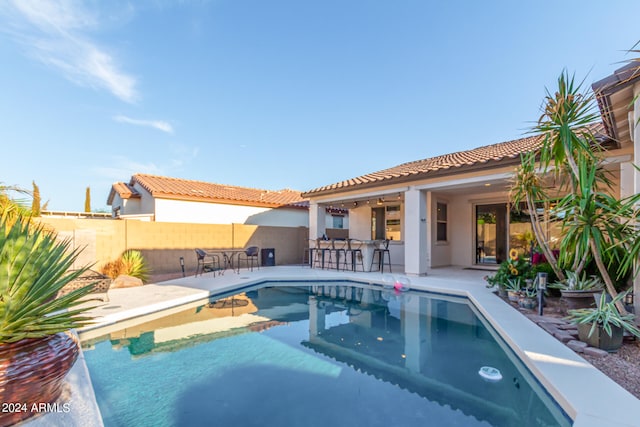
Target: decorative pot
pixel 529 303
pixel 32 372
pixel 513 296
pixel 579 299
pixel 502 292
pixel 600 338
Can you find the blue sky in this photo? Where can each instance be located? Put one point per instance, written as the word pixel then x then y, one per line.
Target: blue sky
pixel 278 93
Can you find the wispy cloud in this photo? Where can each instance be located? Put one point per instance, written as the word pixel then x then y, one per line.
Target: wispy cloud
pixel 122 168
pixel 56 33
pixel 156 124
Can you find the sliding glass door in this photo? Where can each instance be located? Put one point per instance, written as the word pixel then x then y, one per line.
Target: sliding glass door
pixel 491 233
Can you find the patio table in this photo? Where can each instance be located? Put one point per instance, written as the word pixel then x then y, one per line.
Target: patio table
pixel 228 256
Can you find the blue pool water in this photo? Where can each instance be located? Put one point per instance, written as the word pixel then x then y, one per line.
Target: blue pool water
pixel 322 354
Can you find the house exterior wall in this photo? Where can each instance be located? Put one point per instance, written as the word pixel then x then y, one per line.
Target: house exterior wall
pixel 440 251
pixel 218 213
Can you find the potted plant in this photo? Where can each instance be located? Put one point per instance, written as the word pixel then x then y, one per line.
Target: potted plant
pixel 603 326
pixel 578 292
pixel 513 288
pixel 36 348
pixel 510 275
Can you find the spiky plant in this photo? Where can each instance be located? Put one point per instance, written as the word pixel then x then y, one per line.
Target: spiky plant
pixel 34 266
pixel 135 265
pixel 130 263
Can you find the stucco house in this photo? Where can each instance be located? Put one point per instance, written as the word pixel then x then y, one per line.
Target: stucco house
pixel 453 209
pixel 166 199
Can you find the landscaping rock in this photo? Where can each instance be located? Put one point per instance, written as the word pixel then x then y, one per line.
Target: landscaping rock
pixel 577 346
pixel 564 336
pixel 595 352
pixel 550 328
pixel 567 326
pixel 124 281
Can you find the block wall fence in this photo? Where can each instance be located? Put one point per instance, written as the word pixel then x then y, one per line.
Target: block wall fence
pixel 163 243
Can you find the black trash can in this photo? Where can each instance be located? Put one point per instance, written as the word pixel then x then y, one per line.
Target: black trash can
pixel 268 257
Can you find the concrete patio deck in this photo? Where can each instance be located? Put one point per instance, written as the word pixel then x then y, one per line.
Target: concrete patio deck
pixel 587 395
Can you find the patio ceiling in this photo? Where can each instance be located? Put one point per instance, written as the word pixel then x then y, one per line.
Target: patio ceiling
pixel 615 94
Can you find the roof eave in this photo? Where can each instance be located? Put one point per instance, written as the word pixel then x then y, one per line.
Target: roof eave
pixel 508 161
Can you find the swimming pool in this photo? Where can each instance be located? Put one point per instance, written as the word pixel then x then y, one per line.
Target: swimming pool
pixel 310 354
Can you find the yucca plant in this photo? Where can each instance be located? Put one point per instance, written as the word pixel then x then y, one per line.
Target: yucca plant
pixel 34 266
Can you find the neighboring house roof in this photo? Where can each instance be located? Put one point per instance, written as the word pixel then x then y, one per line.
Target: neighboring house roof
pixel 184 189
pixel 614 94
pixel 488 156
pixel 125 191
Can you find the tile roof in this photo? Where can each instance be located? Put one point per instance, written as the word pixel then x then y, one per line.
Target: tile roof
pixel 126 191
pixel 185 189
pixel 489 155
pixel 123 190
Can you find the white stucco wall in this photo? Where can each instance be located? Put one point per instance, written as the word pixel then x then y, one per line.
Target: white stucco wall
pixel 461 233
pixel 215 213
pixel 360 223
pixel 441 251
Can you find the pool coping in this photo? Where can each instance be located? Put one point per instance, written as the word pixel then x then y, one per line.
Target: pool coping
pixel 564 374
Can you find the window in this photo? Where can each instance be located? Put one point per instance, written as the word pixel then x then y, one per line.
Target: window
pixel 441 222
pixel 386 223
pixel 338 221
pixel 392 222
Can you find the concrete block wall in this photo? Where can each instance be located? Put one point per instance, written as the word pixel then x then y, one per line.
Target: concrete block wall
pixel 162 243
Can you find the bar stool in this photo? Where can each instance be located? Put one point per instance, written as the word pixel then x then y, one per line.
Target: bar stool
pixel 338 246
pixel 381 251
pixel 320 252
pixel 307 253
pixel 353 249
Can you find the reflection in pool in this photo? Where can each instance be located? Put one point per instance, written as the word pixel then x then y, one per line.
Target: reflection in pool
pixel 315 354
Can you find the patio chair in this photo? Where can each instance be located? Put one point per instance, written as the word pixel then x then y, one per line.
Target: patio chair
pixel 249 256
pixel 207 262
pixel 381 252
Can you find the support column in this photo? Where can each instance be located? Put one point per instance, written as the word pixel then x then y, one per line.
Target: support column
pixel 416 252
pixel 635 136
pixel 316 318
pixel 414 332
pixel 317 220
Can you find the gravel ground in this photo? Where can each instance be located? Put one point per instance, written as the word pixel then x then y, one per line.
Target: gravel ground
pixel 623 367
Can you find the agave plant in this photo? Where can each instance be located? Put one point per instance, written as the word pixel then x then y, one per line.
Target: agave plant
pixel 131 263
pixel 135 265
pixel 34 266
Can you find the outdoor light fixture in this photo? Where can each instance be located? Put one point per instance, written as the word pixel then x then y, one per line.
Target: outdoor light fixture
pixel 542 285
pixel 182 265
pixel 380 201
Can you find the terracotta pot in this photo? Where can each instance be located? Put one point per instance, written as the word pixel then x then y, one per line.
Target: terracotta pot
pixel 32 372
pixel 579 299
pixel 600 339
